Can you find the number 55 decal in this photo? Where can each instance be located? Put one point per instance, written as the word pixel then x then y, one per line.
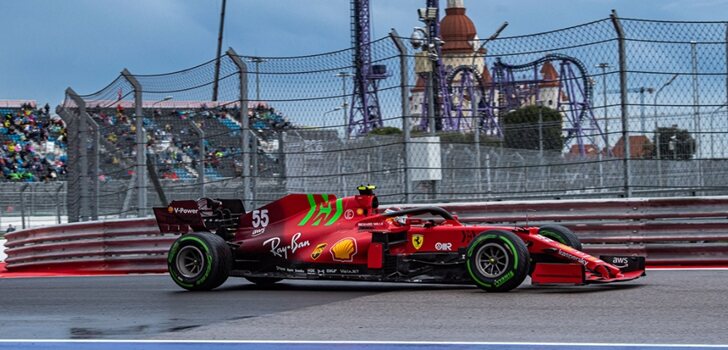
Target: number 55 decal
pixel 260 218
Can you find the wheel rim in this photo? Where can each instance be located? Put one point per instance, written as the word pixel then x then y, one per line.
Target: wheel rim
pixel 492 260
pixel 190 261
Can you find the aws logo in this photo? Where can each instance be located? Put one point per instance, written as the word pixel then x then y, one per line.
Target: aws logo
pixel 620 261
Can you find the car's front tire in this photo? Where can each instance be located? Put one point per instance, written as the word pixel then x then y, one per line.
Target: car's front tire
pixel 497 261
pixel 560 234
pixel 199 261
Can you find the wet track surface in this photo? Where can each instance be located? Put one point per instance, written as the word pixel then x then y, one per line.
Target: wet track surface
pixel 682 307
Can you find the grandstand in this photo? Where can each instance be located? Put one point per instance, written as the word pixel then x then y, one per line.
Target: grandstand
pixel 33 142
pixel 174 142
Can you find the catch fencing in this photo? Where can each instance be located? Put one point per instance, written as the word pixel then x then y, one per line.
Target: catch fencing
pixel 667 231
pixel 546 116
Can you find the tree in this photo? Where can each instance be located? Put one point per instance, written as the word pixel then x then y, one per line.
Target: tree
pixel 674 144
pixel 385 130
pixel 521 128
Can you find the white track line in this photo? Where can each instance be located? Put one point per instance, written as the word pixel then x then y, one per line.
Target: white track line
pixel 355 342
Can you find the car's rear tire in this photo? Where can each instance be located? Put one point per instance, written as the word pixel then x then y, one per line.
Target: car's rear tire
pixel 497 261
pixel 264 281
pixel 560 234
pixel 199 261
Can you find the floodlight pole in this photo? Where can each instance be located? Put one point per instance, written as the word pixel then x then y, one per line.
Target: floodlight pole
pixel 219 51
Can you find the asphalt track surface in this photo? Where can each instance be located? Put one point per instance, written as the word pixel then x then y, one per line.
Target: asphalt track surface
pixel 666 307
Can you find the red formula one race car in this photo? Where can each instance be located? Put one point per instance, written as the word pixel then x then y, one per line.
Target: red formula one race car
pixel 319 236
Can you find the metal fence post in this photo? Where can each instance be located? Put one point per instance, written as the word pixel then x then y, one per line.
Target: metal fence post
pixel 245 125
pixel 81 147
pixel 140 144
pixel 201 164
pixel 93 165
pixel 58 203
pixel 72 186
pixel 22 205
pixel 624 103
pixel 403 85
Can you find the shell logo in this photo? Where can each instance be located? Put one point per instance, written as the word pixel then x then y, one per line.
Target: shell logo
pixel 344 250
pixel 170 210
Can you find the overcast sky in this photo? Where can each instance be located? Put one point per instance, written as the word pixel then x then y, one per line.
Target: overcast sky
pixel 48 45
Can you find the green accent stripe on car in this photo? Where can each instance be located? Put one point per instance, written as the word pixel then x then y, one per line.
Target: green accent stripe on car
pixel 337 215
pixel 311 211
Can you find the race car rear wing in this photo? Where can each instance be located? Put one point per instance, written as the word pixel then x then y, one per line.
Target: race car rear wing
pixel 204 214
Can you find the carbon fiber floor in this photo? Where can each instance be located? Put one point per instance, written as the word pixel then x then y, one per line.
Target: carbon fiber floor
pixel 687 307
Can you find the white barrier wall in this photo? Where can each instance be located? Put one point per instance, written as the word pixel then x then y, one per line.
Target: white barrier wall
pixel 2 250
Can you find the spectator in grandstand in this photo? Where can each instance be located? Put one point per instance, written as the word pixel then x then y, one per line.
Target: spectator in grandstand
pixel 32 144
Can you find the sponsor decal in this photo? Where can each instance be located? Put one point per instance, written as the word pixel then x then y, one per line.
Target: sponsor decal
pixel 417 241
pixel 447 246
pixel 258 231
pixel 572 257
pixel 290 270
pixel 371 225
pixel 181 210
pixel 348 214
pixel 504 279
pixel 344 250
pixel 282 251
pixel 360 211
pixel 317 251
pixel 620 261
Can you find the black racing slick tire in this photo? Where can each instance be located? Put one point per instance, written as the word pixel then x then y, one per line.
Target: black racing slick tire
pixel 199 261
pixel 264 281
pixel 560 234
pixel 497 261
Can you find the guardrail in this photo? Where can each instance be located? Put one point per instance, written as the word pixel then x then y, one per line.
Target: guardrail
pixel 2 250
pixel 119 246
pixel 668 231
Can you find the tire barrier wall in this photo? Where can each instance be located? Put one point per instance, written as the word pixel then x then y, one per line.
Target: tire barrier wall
pixel 668 231
pixel 119 246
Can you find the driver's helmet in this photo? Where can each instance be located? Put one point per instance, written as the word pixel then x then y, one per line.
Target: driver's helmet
pixel 402 219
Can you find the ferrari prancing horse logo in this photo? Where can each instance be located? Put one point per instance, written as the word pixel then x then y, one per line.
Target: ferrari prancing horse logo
pixel 417 241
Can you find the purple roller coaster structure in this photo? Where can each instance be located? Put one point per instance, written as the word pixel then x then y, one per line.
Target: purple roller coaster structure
pixel 365 111
pixel 461 98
